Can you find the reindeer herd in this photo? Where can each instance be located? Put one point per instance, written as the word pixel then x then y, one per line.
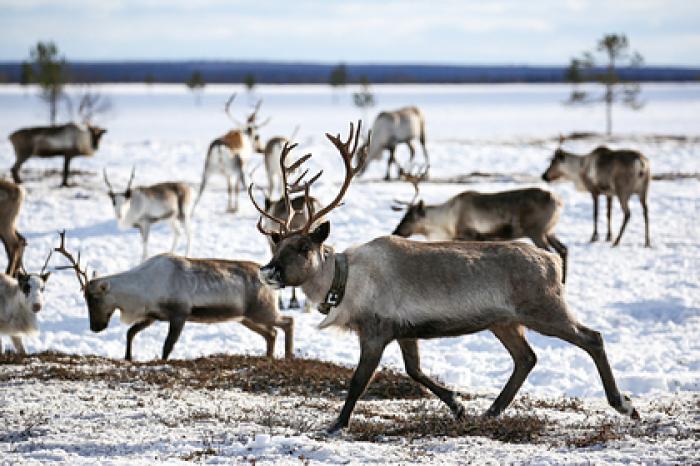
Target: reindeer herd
pixel 466 278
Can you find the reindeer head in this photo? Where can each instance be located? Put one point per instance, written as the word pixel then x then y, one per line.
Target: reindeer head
pixel 120 200
pixel 251 125
pixel 101 304
pixel 412 221
pixel 95 135
pixel 297 254
pixel 31 287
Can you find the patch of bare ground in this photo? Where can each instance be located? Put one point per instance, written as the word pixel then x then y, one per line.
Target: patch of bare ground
pixel 301 396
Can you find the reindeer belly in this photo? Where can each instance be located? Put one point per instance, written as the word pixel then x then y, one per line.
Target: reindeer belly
pixel 217 309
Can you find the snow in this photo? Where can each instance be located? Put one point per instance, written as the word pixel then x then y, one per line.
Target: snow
pixel 646 302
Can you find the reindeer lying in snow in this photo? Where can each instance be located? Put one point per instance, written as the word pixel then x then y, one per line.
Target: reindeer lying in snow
pixel 395 289
pixel 472 216
pixel 608 172
pixel 176 290
pixel 21 299
pixel 143 206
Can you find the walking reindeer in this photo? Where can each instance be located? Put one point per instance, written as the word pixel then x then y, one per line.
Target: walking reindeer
pixel 21 298
pixel 392 128
pixel 396 289
pixel 620 173
pixel 228 154
pixel 176 290
pixel 472 216
pixel 11 199
pixel 143 206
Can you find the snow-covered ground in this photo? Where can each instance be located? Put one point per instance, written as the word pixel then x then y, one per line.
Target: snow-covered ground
pixel 646 302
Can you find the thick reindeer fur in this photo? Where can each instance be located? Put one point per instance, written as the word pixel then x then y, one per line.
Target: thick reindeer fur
pixel 404 290
pixel 20 300
pixel 619 173
pixel 177 290
pixel 11 199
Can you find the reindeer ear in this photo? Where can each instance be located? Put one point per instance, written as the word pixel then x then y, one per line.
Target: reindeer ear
pixel 320 234
pixel 45 276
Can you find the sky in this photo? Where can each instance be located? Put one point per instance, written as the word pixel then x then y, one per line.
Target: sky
pixel 665 32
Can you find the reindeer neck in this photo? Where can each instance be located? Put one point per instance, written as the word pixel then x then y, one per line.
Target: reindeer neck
pixel 440 220
pixel 316 287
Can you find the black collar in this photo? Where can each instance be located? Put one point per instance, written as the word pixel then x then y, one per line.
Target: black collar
pixel 340 276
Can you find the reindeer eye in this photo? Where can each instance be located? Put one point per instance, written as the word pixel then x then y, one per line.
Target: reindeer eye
pixel 25 288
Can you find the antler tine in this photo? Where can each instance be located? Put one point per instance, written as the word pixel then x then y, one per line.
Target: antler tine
pixel 131 178
pixel 254 115
pixel 415 180
pixel 263 212
pixel 109 185
pixel 227 109
pixel 346 154
pixel 46 263
pixel 81 274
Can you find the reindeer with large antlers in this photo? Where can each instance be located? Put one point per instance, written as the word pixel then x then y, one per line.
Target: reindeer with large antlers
pixel 176 290
pixel 228 154
pixel 21 298
pixel 143 206
pixel 473 216
pixel 396 289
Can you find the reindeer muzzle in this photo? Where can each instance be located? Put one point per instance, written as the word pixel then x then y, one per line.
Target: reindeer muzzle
pixel 36 307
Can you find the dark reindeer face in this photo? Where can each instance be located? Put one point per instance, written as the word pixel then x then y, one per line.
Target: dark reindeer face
pixel 100 304
pixel 95 135
pixel 412 222
pixel 31 287
pixel 296 258
pixel 555 169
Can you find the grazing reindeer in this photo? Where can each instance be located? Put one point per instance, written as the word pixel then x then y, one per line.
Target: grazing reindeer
pixel 227 154
pixel 472 216
pixel 396 289
pixel 11 199
pixel 21 298
pixel 68 140
pixel 143 206
pixel 176 290
pixel 608 172
pixel 271 154
pixel 392 128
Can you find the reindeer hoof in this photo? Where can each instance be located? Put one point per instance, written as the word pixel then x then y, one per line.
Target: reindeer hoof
pixel 335 428
pixel 594 238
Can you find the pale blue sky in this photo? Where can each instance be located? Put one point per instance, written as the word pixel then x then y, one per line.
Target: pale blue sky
pixel 666 32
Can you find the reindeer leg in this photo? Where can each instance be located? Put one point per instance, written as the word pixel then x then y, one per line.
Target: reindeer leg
pixel 371 349
pixel 176 324
pixel 131 333
pixel 144 229
pixel 391 160
pixel 608 200
pixel 265 331
pixel 293 302
pixel 17 343
pixel 411 360
pixel 287 325
pixel 524 359
pixel 229 187
pixel 188 232
pixel 595 217
pixel 66 170
pixel 645 210
pixel 174 225
pixel 624 203
pixel 412 150
pixel 16 168
pixel 562 251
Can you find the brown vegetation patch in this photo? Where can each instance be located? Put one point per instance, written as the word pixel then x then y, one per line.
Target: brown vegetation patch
pixel 296 377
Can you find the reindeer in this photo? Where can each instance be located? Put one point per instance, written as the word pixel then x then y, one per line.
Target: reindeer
pixel 11 199
pixel 176 290
pixel 473 216
pixel 608 172
pixel 143 206
pixel 392 128
pixel 227 154
pixel 21 298
pixel 397 289
pixel 69 140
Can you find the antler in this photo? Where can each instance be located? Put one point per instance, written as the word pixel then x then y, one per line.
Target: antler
pixel 253 116
pixel 109 185
pixel 414 179
pixel 46 263
pixel 75 265
pixel 227 109
pixel 131 178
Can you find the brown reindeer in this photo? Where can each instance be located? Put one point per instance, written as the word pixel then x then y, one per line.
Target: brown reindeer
pixel 11 199
pixel 69 141
pixel 396 289
pixel 472 216
pixel 609 172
